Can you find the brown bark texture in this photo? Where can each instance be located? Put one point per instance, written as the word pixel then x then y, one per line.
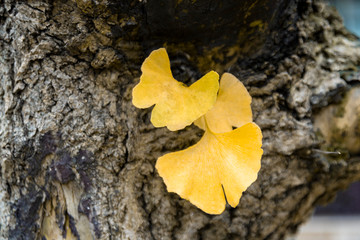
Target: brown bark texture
pixel 77 158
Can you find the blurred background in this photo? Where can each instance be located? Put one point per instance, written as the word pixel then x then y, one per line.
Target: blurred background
pixel 339 220
pixel 350 12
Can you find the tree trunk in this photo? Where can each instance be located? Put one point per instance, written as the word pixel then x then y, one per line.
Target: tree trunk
pixel 77 158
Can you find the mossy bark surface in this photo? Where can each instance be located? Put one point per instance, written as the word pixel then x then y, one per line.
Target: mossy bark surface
pixel 77 158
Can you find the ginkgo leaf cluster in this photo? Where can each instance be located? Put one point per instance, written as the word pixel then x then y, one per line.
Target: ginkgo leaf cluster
pixel 225 162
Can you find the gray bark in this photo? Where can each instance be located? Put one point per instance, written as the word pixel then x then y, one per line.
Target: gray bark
pixel 77 158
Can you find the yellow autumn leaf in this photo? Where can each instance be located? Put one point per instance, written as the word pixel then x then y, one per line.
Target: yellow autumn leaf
pixel 176 105
pixel 232 107
pixel 219 164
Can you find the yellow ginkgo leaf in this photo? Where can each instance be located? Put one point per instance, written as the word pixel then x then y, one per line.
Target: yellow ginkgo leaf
pixel 232 107
pixel 218 163
pixel 177 105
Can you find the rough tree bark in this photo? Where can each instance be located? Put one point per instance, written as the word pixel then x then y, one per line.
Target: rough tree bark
pixel 77 159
